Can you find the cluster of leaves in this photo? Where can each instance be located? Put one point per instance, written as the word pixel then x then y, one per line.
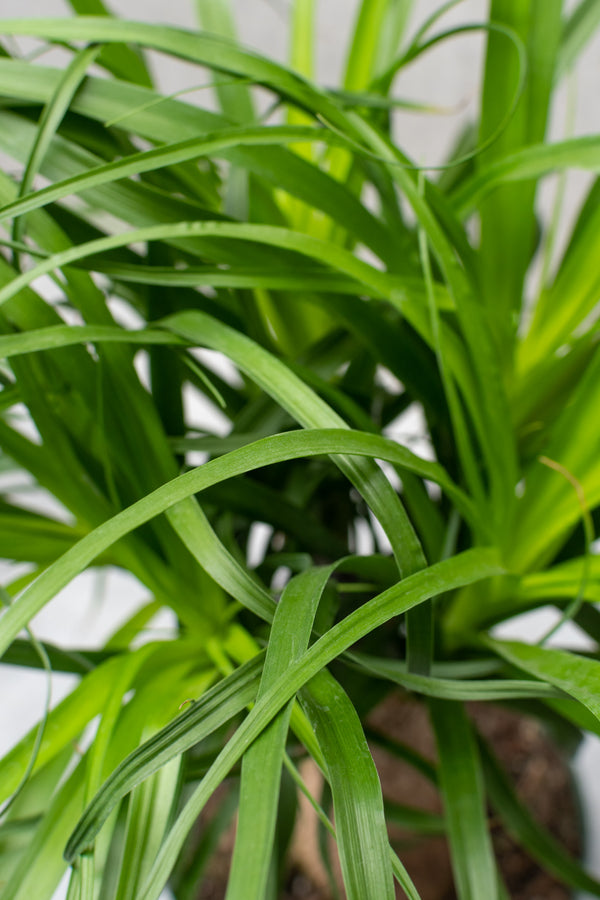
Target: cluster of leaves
pixel 166 229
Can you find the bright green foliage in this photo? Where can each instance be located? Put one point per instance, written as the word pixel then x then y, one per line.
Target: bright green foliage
pixel 280 241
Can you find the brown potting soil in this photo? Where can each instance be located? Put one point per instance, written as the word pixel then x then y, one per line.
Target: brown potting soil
pixel 539 772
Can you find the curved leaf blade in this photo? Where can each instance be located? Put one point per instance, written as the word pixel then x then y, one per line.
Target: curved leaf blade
pixel 463 569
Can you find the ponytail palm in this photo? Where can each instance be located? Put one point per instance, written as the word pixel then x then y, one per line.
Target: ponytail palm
pixel 167 230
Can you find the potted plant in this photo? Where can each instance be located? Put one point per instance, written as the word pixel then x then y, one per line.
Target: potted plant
pixel 343 285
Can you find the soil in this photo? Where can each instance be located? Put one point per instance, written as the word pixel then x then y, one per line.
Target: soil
pixel 539 772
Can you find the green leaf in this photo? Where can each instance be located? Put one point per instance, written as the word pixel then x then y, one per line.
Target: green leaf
pixel 122 61
pixel 196 533
pixel 562 491
pixel 66 335
pixel 488 400
pixel 216 707
pixel 76 662
pixel 507 215
pixel 451 689
pixel 41 866
pixel 215 144
pixel 31 537
pixel 302 43
pixel 261 765
pixel 555 323
pixel 264 452
pixel 357 800
pixel 65 723
pixel 461 784
pixel 528 163
pixel 444 576
pixel 277 165
pixel 294 396
pixel 569 671
pixel 235 100
pixel 563 581
pixel 578 28
pixel 317 250
pixel 50 119
pixel 362 55
pixel 148 816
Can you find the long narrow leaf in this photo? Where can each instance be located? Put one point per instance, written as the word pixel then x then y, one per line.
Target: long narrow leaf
pixel 461 783
pixel 572 673
pixel 261 766
pixel 264 452
pixel 448 575
pixel 356 791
